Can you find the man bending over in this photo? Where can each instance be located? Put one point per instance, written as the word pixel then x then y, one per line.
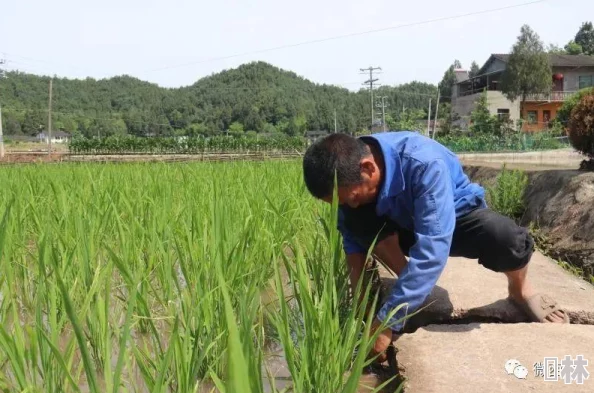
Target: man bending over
pixel 412 193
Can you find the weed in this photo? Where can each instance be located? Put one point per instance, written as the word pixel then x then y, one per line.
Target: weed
pixel 507 195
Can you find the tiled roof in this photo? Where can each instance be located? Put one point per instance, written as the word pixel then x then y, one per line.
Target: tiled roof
pixel 560 60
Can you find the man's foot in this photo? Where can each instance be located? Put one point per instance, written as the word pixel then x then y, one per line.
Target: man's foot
pixel 540 308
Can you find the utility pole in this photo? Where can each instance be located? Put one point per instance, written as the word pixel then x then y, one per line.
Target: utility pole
pixel 335 127
pixel 1 137
pixel 49 120
pixel 429 118
pixel 383 106
pixel 370 83
pixel 436 112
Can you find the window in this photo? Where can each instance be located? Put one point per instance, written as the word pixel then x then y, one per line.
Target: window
pixel 586 81
pixel 546 117
pixel 503 114
pixel 532 117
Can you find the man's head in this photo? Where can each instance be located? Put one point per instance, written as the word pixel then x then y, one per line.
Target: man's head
pixel 358 172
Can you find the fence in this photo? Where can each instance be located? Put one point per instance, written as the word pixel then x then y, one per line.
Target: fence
pixel 185 145
pixel 511 143
pixel 226 144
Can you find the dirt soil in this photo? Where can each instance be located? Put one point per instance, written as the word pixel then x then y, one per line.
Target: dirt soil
pixel 560 205
pixel 37 157
pixel 24 158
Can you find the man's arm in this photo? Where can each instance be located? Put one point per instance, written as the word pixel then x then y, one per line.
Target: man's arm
pixel 434 223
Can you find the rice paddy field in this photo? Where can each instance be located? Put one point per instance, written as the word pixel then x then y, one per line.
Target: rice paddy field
pixel 177 277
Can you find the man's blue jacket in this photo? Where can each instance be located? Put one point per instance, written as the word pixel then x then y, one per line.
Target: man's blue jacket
pixel 424 190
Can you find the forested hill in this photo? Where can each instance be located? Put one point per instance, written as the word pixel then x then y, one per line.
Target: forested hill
pixel 253 97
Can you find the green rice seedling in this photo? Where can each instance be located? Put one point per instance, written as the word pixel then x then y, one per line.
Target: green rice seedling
pixel 328 331
pixel 108 276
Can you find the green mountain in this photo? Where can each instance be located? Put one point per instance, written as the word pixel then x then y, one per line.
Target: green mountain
pixel 253 97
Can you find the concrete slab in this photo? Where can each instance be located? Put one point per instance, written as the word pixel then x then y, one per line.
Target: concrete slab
pixel 546 158
pixel 472 357
pixel 468 292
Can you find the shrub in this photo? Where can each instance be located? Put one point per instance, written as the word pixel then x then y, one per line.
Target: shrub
pixel 507 195
pixel 564 113
pixel 581 126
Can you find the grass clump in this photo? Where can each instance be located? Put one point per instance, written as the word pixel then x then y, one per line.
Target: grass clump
pixel 507 195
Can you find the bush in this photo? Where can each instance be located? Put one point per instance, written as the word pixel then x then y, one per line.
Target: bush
pixel 492 143
pixel 581 126
pixel 564 112
pixel 128 144
pixel 507 196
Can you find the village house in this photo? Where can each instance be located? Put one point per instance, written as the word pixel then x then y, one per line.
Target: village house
pixel 57 137
pixel 569 74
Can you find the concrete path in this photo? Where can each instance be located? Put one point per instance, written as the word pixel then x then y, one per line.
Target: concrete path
pixel 472 357
pixel 467 332
pixel 466 291
pixel 462 340
pixel 559 158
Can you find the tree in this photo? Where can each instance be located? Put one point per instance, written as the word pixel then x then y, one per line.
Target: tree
pixel 297 126
pixel 407 121
pixel 449 79
pixel 564 113
pixel 585 38
pixel 474 69
pixel 34 122
pixel 447 119
pixel 12 122
pixel 528 69
pixel 556 50
pixel 573 48
pixel 236 128
pixel 581 127
pixel 257 95
pixel 269 129
pixel 196 129
pixel 102 128
pixel 483 122
pixel 480 118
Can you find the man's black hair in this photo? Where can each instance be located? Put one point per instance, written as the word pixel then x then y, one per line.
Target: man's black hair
pixel 336 152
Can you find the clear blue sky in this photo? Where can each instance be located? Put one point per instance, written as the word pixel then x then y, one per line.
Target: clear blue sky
pixel 137 37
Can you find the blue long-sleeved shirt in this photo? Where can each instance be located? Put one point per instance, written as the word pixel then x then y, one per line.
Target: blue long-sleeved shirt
pixel 424 190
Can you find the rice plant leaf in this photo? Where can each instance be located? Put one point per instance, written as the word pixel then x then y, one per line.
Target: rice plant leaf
pixel 60 359
pixel 86 358
pixel 124 339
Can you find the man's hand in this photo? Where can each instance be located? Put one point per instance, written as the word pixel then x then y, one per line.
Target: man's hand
pixel 382 342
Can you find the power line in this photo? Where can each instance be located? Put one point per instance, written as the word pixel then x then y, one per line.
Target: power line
pixel 30 59
pixel 400 26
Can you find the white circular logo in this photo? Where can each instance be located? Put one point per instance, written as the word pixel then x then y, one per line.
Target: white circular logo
pixel 511 365
pixel 521 372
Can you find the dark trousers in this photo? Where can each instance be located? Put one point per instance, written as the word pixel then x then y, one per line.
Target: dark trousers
pixel 495 240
